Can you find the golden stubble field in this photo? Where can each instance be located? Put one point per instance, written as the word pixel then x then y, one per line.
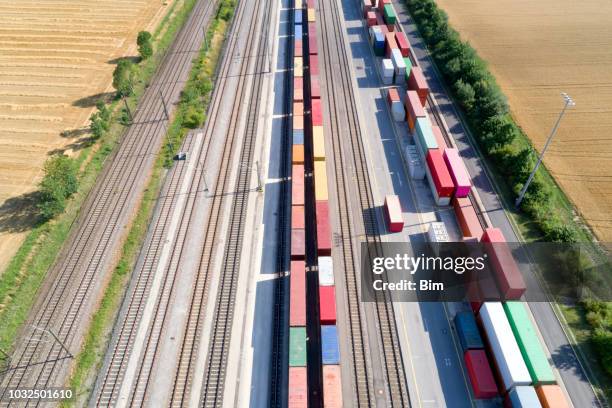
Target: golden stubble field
pixel 537 49
pixel 56 60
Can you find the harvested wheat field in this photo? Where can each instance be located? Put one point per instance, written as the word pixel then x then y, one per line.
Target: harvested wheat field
pixel 56 61
pixel 537 49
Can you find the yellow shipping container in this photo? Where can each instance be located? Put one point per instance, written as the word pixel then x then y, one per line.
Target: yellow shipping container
pixel 318 143
pixel 311 15
pixel 298 4
pixel 320 175
pixel 298 67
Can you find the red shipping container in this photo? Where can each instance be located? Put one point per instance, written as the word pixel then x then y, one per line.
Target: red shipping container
pixel 402 43
pixel 481 376
pixel 315 87
pixel 298 89
pixel 467 218
pixel 439 138
pixel 380 20
pixel 317 114
pixel 439 173
pixel 314 64
pixel 297 217
pixel 297 184
pixel 371 18
pixel 417 82
pixel 390 44
pixel 298 388
pixel 312 29
pixel 313 47
pixel 297 299
pixel 323 228
pixel 327 304
pixel 332 386
pixel 392 95
pixel 298 244
pixel 393 213
pixel 414 108
pixel 311 3
pixel 297 49
pixel 509 277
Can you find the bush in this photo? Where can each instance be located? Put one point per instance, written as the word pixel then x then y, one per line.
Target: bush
pixel 124 77
pixel 145 44
pixel 194 117
pixel 602 340
pixel 59 183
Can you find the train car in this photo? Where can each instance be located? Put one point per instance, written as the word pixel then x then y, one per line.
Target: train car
pixel 320 175
pixel 393 214
pixel 509 277
pixel 424 137
pixel 316 112
pixel 332 386
pixel 390 44
pixel 529 344
pixel 297 347
pixel 467 219
pixel 298 244
pixel 297 184
pixel 298 89
pixel 551 396
pixel 480 374
pixel 522 397
pixel 458 172
pixel 467 331
pixel 323 228
pixel 315 87
pixel 414 109
pixel 330 353
pixel 318 143
pixel 326 271
pixel 298 387
pixel 417 82
pixel 297 217
pixel 440 181
pixel 395 104
pixel 327 305
pixel 297 297
pixel 510 365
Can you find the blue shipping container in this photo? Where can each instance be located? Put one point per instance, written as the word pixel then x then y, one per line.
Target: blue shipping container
pixel 298 32
pixel 298 136
pixel 298 16
pixel 469 337
pixel 524 396
pixel 330 353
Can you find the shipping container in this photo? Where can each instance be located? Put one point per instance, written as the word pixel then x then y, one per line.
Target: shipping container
pixel 311 15
pixel 298 48
pixel 480 374
pixel 415 165
pixel 313 46
pixel 297 298
pixel 298 67
pixel 297 31
pixel 399 66
pixel 312 29
pixel 320 175
pixel 381 5
pixel 297 217
pixel 298 244
pixel 389 14
pixel 393 214
pixel 551 396
pixel 298 387
pixel 315 88
pixel 316 112
pixel 298 109
pixel 318 143
pixel 414 109
pixel 467 331
pixel 523 397
pixel 437 132
pixel 298 137
pixel 297 184
pixel 424 137
pixel 298 89
pixel 386 71
pixel 417 82
pixel 330 353
pixel 366 8
pixel 390 44
pixel 395 104
pixel 408 63
pixel 503 346
pixel 298 122
pixel 402 43
pixel 323 228
pixel 297 16
pixel 467 218
pixel 297 4
pixel 297 154
pixel 332 386
pixel 314 64
pixel 327 304
pixel 529 344
pixel 458 172
pixel 509 277
pixel 311 3
pixel 371 18
pixel 437 233
pixel 440 180
pixel 326 271
pixel 297 346
pixel 377 39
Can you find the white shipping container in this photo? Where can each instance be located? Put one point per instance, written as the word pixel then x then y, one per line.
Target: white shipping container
pixel 399 66
pixel 373 31
pixel 326 271
pixel 386 71
pixel 437 232
pixel 415 165
pixel 503 344
pixel 398 111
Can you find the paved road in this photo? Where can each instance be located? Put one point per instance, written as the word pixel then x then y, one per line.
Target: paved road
pixel 563 355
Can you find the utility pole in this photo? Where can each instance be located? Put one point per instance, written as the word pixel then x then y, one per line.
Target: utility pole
pixel 569 102
pixel 259 181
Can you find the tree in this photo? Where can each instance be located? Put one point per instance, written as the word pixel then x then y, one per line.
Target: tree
pixel 96 125
pixel 496 132
pixel 145 44
pixel 124 77
pixel 59 182
pixel 466 95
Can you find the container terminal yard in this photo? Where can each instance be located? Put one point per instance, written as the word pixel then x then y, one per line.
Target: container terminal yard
pixel 328 136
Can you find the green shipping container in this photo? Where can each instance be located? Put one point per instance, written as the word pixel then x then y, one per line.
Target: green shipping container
pixel 297 347
pixel 389 14
pixel 529 343
pixel 408 63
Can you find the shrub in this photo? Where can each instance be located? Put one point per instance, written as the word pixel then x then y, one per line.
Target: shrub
pixel 194 117
pixel 145 44
pixel 124 77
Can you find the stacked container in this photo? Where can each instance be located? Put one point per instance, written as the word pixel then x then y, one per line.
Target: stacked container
pixel 509 278
pixel 414 109
pixel 424 136
pixel 387 71
pixel 458 172
pixel 439 178
pixel 417 82
pixel 399 66
pixel 467 219
pixel 395 104
pixel 415 165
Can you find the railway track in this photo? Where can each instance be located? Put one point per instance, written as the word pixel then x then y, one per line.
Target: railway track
pixel 98 231
pixel 348 148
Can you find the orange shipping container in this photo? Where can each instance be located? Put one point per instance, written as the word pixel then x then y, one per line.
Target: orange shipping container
pixel 298 109
pixel 298 122
pixel 332 386
pixel 297 217
pixel 298 154
pixel 551 396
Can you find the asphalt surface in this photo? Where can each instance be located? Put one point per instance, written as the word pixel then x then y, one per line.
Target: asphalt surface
pixel 563 355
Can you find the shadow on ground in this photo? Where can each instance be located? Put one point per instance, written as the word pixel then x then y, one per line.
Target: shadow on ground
pixel 19 214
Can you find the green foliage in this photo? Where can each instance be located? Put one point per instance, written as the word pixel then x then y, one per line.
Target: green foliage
pixel 226 10
pixel 145 44
pixel 465 94
pixel 124 77
pixel 99 122
pixel 194 117
pixel 58 184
